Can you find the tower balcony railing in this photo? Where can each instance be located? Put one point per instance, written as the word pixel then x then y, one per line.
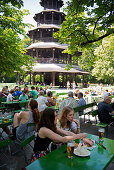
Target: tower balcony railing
pixel 56 22
pixel 55 60
pixel 46 39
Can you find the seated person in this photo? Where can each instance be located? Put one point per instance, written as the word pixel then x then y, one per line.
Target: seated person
pixel 49 98
pixel 71 102
pixel 23 96
pixel 67 121
pixel 10 96
pixel 81 102
pixel 21 131
pixel 2 96
pixel 42 102
pixel 26 89
pixel 49 132
pixel 105 111
pixel 4 92
pixel 17 93
pixel 106 93
pixel 33 93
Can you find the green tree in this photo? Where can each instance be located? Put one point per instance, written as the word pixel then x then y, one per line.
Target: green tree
pixel 12 53
pixel 104 64
pixel 17 3
pixel 25 42
pixel 87 21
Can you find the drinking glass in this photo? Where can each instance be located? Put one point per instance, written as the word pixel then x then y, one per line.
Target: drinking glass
pixel 101 134
pixel 70 149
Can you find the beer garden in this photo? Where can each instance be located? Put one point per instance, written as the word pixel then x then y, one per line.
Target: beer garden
pixel 94 38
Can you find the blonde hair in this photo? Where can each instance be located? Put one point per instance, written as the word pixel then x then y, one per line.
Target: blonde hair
pixel 63 117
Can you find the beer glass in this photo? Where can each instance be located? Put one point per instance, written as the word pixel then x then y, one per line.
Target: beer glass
pixel 70 149
pixel 101 134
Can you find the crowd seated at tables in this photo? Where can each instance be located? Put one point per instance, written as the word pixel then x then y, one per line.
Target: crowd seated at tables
pixel 49 128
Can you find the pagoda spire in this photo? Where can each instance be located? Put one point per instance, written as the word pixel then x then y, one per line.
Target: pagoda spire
pixel 51 4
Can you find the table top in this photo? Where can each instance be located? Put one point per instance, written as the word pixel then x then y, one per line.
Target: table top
pixel 2 124
pixel 58 160
pixel 15 102
pixel 54 107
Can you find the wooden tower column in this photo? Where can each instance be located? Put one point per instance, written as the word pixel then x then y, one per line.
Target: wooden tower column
pixel 16 77
pixel 30 78
pixel 33 79
pixel 83 81
pixel 53 78
pixel 52 17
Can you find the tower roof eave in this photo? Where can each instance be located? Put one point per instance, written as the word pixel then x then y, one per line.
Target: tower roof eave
pixel 38 67
pixel 45 26
pixel 47 45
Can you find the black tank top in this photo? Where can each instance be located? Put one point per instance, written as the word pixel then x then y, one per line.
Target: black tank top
pixel 41 144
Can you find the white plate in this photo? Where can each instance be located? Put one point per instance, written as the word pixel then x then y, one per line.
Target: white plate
pixel 78 154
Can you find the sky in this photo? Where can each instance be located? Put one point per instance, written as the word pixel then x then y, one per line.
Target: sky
pixel 34 7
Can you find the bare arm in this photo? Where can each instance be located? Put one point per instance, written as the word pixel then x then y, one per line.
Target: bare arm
pixel 48 104
pixel 45 132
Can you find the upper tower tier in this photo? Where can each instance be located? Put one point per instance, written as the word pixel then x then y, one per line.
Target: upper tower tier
pixel 51 4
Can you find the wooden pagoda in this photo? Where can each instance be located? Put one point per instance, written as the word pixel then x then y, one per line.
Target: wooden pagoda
pixel 50 61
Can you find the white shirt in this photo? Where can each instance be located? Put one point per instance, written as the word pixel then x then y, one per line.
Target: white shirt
pixel 71 102
pixel 42 103
pixel 9 98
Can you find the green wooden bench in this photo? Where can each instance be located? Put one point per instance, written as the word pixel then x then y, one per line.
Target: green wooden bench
pixel 111 96
pixel 84 109
pixel 24 143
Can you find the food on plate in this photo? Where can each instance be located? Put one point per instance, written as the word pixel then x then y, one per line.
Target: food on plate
pixel 76 145
pixel 88 142
pixel 81 150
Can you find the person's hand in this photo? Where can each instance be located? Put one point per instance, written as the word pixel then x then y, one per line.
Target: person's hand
pixel 82 135
pixel 77 122
pixel 89 142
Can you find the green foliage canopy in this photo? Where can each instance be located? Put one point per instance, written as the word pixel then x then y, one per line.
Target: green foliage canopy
pixel 104 64
pixel 12 54
pixel 87 21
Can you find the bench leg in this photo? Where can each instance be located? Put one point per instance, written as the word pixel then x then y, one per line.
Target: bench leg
pixel 96 119
pixel 106 132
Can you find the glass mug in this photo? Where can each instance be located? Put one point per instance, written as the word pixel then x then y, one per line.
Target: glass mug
pixel 101 134
pixel 70 149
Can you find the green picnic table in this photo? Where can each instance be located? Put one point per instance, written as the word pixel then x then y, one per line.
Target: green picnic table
pixel 54 107
pixel 2 124
pixel 99 158
pixel 16 104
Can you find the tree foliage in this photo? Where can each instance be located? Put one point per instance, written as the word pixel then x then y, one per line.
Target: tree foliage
pixel 12 54
pixel 17 3
pixel 104 64
pixel 87 21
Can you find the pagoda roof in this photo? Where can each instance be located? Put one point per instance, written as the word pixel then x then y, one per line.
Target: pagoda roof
pixel 60 2
pixel 39 67
pixel 45 26
pixel 47 45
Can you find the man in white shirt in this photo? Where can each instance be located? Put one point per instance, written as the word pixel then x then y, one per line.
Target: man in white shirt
pixel 10 97
pixel 71 102
pixel 42 102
